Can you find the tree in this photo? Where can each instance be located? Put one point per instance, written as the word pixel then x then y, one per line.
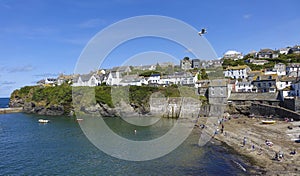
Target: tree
pixel 186 58
pixel 158 68
pixel 204 75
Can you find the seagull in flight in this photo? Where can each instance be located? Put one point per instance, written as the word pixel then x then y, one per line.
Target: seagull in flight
pixel 202 32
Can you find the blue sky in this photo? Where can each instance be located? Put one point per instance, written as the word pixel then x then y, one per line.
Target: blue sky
pixel 42 38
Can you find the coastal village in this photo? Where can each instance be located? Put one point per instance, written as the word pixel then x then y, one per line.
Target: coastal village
pixel 130 87
pixel 256 77
pixel 261 85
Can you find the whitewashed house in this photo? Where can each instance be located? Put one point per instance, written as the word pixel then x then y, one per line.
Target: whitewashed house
pixel 267 54
pixel 145 67
pixel 295 49
pixel 280 69
pixel 269 71
pixel 154 79
pixel 114 78
pixel 122 69
pixel 285 51
pixel 293 69
pixel 237 72
pixel 285 82
pixel 185 63
pixel 244 86
pixel 87 80
pixel 133 80
pixel 50 80
pixel 234 55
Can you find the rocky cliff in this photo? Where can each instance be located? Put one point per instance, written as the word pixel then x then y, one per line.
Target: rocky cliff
pixel 58 100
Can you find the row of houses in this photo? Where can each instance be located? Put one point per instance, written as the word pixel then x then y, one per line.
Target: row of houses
pixel 263 53
pixel 283 79
pixel 187 64
pixel 280 69
pixel 116 78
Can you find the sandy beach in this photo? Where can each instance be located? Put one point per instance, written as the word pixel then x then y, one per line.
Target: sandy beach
pixel 260 143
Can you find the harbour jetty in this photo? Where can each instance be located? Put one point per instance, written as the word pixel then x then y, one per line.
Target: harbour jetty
pixel 10 110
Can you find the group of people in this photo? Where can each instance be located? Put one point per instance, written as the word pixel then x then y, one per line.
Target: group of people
pixel 288 120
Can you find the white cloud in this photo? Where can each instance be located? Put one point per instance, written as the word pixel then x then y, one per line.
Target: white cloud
pixel 247 16
pixel 91 23
pixel 47 75
pixel 25 68
pixel 8 82
pixel 75 41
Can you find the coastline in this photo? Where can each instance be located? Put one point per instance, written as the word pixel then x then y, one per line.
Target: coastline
pixel 261 156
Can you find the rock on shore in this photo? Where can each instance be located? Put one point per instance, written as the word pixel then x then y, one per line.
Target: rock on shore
pixel 52 110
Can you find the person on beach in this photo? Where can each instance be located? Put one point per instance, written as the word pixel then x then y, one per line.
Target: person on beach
pixel 244 141
pixel 253 147
pixel 269 143
pixel 280 155
pixel 276 156
pixel 222 128
pixel 293 152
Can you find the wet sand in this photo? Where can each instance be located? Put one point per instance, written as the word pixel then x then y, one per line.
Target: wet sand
pixel 255 147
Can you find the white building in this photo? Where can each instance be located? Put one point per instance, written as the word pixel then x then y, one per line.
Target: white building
pixel 293 69
pixel 285 51
pixel 280 69
pixel 154 79
pixel 231 54
pixel 244 86
pixel 50 80
pixel 133 80
pixel 87 80
pixel 270 71
pixel 285 82
pixel 114 78
pixel 237 72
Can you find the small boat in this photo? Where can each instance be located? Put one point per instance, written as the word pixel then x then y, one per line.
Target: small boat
pixel 79 119
pixel 268 121
pixel 43 121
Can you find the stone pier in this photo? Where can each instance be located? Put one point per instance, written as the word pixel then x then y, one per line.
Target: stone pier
pixel 10 110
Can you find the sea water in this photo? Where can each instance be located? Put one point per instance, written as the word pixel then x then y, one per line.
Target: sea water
pixel 60 148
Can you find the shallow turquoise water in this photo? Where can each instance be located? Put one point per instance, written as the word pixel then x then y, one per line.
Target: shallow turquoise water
pixel 60 148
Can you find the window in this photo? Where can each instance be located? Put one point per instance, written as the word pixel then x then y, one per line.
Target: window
pixel 258 85
pixel 270 84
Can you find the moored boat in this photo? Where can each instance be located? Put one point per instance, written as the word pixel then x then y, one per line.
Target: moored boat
pixel 43 121
pixel 268 121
